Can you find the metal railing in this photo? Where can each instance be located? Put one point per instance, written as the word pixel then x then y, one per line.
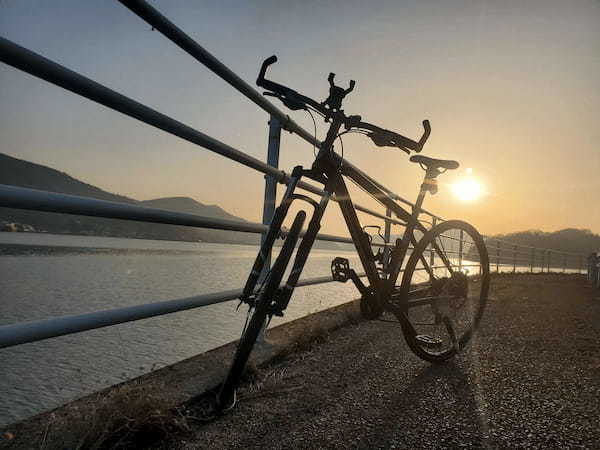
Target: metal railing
pixel 31 199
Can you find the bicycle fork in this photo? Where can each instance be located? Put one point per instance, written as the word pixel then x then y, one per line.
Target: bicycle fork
pixel 276 300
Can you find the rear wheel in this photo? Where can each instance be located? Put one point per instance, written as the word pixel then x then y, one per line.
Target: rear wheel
pixel 442 308
pixel 226 397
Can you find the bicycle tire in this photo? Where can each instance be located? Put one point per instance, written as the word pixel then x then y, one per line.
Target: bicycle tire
pixel 459 292
pixel 225 398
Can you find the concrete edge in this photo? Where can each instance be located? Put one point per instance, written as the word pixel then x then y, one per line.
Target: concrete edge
pixel 75 424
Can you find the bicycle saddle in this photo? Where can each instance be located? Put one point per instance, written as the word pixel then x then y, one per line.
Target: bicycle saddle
pixel 432 163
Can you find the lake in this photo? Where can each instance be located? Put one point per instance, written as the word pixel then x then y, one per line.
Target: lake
pixel 38 282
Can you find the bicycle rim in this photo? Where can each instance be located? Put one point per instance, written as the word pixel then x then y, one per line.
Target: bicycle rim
pixel 443 308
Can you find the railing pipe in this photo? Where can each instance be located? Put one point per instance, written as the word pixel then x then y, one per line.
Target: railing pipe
pixel 22 333
pixel 34 64
pixel 159 22
pixel 186 43
pixel 33 199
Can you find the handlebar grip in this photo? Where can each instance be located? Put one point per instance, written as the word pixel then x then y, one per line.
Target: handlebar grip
pixel 270 60
pixel 425 136
pixel 263 70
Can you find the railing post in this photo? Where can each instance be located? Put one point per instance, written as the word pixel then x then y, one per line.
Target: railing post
pixel 514 258
pixel 386 234
pixel 548 260
pixel 532 259
pixel 564 262
pixel 542 261
pixel 431 253
pixel 580 263
pixel 460 251
pixel 270 195
pixel 271 182
pixel 497 256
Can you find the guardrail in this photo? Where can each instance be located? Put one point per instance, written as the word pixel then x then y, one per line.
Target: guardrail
pixel 31 199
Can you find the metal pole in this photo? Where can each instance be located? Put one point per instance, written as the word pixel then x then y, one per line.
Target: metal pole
pixel 270 197
pixel 564 262
pixel 36 65
pixel 33 199
pixel 514 258
pixel 387 235
pixel 532 259
pixel 159 22
pixel 460 251
pixel 548 260
pixel 497 256
pixel 186 43
pixel 580 264
pixel 431 252
pixel 543 261
pixel 271 183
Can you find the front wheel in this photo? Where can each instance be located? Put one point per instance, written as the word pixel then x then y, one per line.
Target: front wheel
pixel 444 290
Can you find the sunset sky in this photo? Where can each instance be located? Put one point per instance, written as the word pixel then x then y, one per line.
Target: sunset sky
pixel 512 90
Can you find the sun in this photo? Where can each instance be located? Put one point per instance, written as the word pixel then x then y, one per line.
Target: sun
pixel 467 189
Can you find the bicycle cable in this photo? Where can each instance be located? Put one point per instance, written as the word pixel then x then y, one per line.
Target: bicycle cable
pixel 339 136
pixel 315 128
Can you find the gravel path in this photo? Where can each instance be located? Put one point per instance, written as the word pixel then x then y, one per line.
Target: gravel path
pixel 530 380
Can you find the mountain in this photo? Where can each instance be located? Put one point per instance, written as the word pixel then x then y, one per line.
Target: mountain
pixel 18 172
pixel 22 173
pixel 568 240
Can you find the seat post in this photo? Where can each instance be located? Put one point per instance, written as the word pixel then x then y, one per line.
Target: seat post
pixel 430 181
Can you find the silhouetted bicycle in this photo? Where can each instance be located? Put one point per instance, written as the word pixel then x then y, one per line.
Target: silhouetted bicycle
pixel 445 280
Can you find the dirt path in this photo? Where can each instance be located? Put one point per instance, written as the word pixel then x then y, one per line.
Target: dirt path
pixel 531 379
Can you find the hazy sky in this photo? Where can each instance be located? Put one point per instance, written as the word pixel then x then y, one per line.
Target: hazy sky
pixel 512 90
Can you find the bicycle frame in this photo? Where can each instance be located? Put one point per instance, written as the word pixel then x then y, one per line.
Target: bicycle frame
pixel 329 170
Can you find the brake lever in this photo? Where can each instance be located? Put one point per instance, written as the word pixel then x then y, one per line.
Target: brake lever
pixel 291 103
pixel 380 140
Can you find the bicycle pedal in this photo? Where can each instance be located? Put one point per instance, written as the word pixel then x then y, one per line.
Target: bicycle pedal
pixel 428 341
pixel 340 269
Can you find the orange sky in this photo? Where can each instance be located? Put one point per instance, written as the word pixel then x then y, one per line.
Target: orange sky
pixel 511 89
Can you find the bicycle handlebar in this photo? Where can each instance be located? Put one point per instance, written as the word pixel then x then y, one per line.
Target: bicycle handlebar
pixel 332 105
pixel 387 138
pixel 290 98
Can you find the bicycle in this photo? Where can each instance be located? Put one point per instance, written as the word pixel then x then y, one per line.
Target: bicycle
pixel 438 314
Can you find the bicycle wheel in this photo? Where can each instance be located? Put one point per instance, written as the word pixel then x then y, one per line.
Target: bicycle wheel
pixel 226 396
pixel 442 309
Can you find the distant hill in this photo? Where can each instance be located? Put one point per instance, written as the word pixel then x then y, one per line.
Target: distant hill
pixel 22 173
pixel 567 240
pixel 18 172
